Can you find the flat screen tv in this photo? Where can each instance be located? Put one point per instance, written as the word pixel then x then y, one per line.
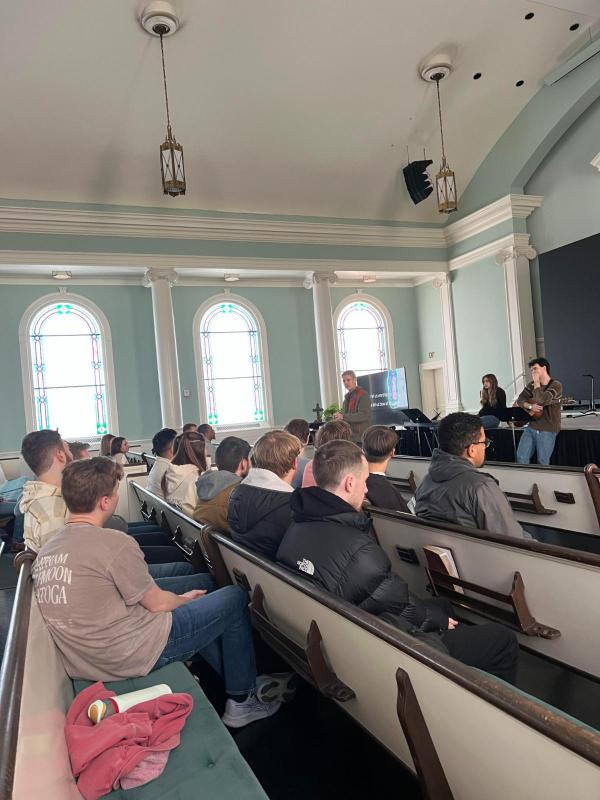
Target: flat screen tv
pixel 389 395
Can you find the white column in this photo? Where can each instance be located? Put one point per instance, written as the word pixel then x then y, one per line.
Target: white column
pixel 328 380
pixel 160 282
pixel 451 372
pixel 519 304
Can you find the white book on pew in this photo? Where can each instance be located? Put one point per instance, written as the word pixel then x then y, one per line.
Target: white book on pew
pixel 441 559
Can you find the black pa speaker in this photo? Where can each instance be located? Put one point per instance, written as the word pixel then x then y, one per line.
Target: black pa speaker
pixel 417 180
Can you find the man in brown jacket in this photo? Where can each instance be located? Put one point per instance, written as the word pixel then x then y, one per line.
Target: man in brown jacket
pixel 541 398
pixel 214 487
pixel 356 410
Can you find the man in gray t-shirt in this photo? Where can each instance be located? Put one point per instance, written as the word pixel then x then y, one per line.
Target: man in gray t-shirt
pixel 110 620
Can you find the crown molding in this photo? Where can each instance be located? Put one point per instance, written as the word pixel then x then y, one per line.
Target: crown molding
pixel 512 206
pixel 518 241
pixel 595 162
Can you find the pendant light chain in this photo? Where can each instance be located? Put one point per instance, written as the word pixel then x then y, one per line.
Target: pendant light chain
pixel 437 84
pixel 162 53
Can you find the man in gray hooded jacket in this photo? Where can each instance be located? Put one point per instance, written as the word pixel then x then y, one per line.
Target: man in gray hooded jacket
pixel 214 488
pixel 454 490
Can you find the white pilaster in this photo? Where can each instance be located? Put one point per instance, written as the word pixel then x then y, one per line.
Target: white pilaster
pixel 328 378
pixel 519 304
pixel 160 282
pixel 452 383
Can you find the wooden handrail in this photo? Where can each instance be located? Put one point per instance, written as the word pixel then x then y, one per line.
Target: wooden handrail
pixel 592 475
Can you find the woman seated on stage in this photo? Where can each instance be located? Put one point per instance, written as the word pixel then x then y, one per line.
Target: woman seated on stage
pixel 493 399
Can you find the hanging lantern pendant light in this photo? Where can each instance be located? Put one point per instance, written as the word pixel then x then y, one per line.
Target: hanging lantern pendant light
pixel 171 152
pixel 445 181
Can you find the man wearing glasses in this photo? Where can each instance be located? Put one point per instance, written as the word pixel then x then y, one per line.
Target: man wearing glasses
pixel 455 490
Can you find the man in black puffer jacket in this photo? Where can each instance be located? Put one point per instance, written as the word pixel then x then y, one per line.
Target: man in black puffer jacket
pixel 329 542
pixel 259 507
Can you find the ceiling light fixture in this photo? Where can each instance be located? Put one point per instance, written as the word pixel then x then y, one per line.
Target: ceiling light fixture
pixel 445 181
pixel 231 277
pixel 159 19
pixel 61 275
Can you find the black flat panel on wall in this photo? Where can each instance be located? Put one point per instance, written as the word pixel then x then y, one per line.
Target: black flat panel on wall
pixel 570 284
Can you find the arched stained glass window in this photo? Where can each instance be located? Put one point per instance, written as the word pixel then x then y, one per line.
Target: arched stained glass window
pixel 233 373
pixel 67 361
pixel 362 338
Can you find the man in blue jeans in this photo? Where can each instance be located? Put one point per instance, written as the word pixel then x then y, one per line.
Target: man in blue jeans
pixel 540 398
pixel 110 620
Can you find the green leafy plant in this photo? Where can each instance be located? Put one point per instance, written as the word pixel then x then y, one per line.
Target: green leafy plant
pixel 330 411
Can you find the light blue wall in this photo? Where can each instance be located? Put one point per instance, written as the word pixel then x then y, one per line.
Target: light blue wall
pixel 288 315
pixel 129 313
pixel 400 302
pixel 481 325
pixel 429 317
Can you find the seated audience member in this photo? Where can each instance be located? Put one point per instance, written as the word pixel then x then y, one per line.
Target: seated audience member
pixel 119 447
pixel 189 427
pixel 379 444
pixel 454 490
pixel 493 402
pixel 259 508
pixel 79 450
pixel 162 447
pixel 188 463
pixel 329 542
pixel 110 620
pixel 335 429
pixel 214 487
pixel 105 443
pixel 300 429
pixel 209 434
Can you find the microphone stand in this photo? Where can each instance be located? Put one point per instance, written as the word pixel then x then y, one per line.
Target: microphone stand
pixel 592 410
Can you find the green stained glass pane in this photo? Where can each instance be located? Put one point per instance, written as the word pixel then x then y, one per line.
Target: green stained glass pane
pixel 213 419
pixel 63 308
pixel 101 429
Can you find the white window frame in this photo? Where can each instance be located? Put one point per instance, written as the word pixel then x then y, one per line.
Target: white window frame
pixel 264 356
pixel 27 366
pixel 387 319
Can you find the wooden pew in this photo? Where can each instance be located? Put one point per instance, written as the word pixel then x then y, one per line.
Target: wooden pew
pixel 561 585
pixel 555 497
pixel 470 716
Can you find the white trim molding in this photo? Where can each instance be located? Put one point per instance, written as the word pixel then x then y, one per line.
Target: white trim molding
pixel 453 402
pixel 519 240
pixel 595 162
pixel 107 353
pixel 512 206
pixel 229 297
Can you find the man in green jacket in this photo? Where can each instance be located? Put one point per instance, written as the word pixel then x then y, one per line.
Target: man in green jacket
pixel 356 410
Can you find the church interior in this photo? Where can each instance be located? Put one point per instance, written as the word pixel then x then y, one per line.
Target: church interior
pixel 247 216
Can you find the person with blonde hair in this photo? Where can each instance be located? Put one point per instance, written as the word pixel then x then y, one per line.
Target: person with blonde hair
pixel 259 508
pixel 335 429
pixel 188 463
pixel 105 443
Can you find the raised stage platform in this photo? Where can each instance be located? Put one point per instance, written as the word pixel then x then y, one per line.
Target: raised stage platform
pixel 577 444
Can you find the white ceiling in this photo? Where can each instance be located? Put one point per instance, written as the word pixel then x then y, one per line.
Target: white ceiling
pixel 283 106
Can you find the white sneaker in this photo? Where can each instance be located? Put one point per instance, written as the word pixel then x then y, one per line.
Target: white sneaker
pixel 239 714
pixel 277 686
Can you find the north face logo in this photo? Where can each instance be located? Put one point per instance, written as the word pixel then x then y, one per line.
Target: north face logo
pixel 304 565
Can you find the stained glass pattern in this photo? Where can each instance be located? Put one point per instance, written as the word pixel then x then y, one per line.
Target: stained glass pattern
pixel 362 338
pixel 67 359
pixel 232 366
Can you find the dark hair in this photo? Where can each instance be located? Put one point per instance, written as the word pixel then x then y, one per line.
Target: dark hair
pixel 299 428
pixel 334 460
pixel 230 452
pixel 334 429
pixel 162 440
pixel 488 396
pixel 543 362
pixel 204 428
pixel 116 444
pixel 457 431
pixel 191 449
pixel 189 427
pixel 38 448
pixel 105 442
pixel 378 442
pixel 276 451
pixel 77 449
pixel 84 482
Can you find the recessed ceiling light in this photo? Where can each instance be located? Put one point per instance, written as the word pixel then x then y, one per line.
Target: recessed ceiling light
pixel 519 83
pixel 574 26
pixel 230 277
pixel 477 76
pixel 530 15
pixel 369 278
pixel 61 275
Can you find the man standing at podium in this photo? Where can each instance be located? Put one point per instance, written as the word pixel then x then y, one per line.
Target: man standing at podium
pixel 541 399
pixel 356 410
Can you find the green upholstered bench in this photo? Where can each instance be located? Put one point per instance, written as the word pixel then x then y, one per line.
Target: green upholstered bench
pixel 207 763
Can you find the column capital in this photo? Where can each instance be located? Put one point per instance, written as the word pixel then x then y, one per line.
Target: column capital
pixel 514 252
pixel 440 280
pixel 319 277
pixel 154 275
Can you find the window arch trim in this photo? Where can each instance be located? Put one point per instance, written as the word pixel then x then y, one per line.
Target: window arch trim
pixel 261 327
pixel 27 366
pixel 388 327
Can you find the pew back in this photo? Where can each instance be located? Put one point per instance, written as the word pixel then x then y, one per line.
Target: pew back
pixel 562 490
pixel 562 586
